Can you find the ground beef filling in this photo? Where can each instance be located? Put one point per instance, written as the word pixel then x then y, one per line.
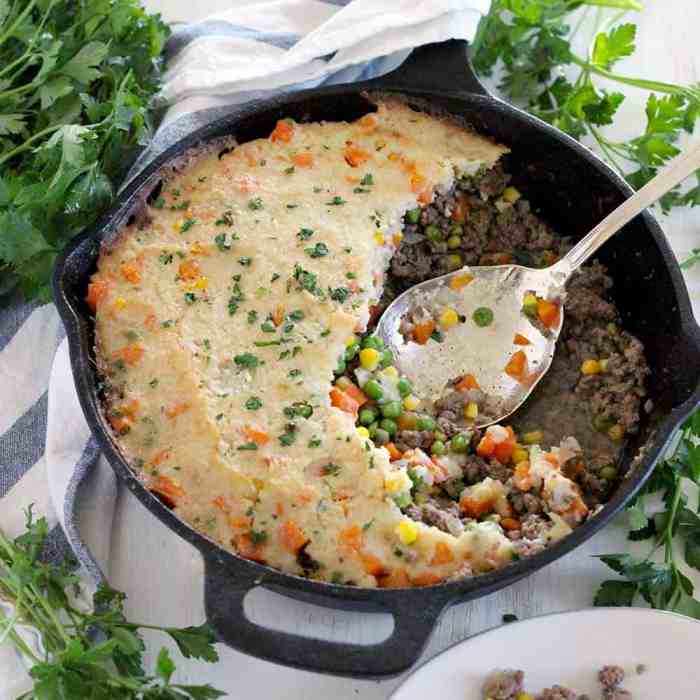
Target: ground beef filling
pixel 593 391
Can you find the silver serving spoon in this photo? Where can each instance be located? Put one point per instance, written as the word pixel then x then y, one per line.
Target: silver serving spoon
pixel 485 351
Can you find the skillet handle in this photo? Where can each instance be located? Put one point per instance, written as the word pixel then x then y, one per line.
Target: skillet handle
pixel 444 66
pixel 225 588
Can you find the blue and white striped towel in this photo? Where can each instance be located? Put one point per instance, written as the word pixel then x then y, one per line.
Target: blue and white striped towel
pixel 47 456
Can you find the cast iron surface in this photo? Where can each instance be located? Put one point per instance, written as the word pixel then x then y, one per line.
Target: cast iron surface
pixel 574 190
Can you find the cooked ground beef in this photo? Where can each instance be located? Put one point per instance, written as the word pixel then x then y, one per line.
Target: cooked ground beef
pixel 503 685
pixel 559 692
pixel 611 676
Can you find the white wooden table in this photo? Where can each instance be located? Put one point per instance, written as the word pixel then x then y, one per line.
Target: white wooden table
pixel 668 40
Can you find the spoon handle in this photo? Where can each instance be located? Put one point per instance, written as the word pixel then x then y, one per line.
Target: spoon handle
pixel 678 169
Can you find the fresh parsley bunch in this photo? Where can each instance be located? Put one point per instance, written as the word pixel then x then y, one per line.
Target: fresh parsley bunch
pixel 76 80
pixel 674 527
pixel 531 41
pixel 96 655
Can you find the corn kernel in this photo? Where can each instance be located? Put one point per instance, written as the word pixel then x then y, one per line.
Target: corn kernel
pixel 407 531
pixel 379 238
pixel 511 195
pixel 176 227
pixel 411 402
pixel 534 437
pixel 529 300
pixel 397 238
pixel 525 696
pixel 397 481
pixel 520 454
pixel 448 318
pixel 603 364
pixel 616 432
pixel 612 328
pixel 459 281
pixel 362 432
pixel 390 372
pixel 350 341
pixel 471 410
pixel 196 248
pixel 590 367
pixel 343 382
pixel 369 359
pixel 120 303
pixel 201 283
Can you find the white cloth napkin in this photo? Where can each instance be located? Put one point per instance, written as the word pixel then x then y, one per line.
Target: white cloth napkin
pixel 245 53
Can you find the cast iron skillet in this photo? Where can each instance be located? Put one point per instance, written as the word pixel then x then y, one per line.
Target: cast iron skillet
pixel 574 190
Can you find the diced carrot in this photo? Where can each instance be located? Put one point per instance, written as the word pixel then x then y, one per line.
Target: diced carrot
pixel 351 537
pixel 256 435
pixel 170 491
pixel 396 578
pixel 418 183
pixel 423 331
pixel 303 160
pixel 520 340
pixel 394 156
pixel 510 523
pixel 278 315
pixel 283 131
pixel 239 522
pixel 426 196
pixel 396 239
pixel 121 423
pixel 461 210
pixel 97 291
pixel 409 166
pixel 220 503
pixel 245 547
pixel 371 564
pixel 474 508
pixel 426 579
pixel 160 457
pixel 189 270
pixel 548 312
pixel 443 554
pixel 486 446
pixel 355 156
pixel 131 354
pixel 504 451
pixel 576 512
pixel 354 392
pixel 130 272
pixel 292 536
pixel 177 408
pixel 521 477
pixel 459 281
pixel 369 121
pixel 466 383
pixel 279 508
pixel 151 322
pixel 343 401
pixel 551 459
pixel 394 452
pixel 517 365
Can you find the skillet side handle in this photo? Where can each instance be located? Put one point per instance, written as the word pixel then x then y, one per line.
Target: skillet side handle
pixel 444 66
pixel 225 590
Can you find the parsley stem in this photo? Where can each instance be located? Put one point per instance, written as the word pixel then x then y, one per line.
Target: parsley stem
pixel 18 20
pixel 604 146
pixel 619 4
pixel 25 146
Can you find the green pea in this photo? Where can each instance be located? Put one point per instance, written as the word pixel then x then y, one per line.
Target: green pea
pixel 483 317
pixel 413 215
pixel 351 351
pixel 602 424
pixel 368 416
pixel 454 242
pixel 459 443
pixel 454 261
pixel 609 472
pixel 438 448
pixel 305 411
pixel 341 366
pixel 387 358
pixel 433 233
pixel 439 436
pixel 374 390
pixel 455 230
pixel 389 426
pixel 403 500
pixel 381 436
pixel 373 341
pixel 372 429
pixel 404 387
pixel 425 423
pixel 391 409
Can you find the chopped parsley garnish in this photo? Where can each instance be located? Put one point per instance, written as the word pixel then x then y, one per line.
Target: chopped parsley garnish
pixel 190 298
pixel 253 403
pixel 314 442
pixel 297 315
pixel 175 193
pixel 292 206
pixel 437 336
pixel 182 206
pixel 350 275
pixel 361 190
pixel 247 446
pixel 307 280
pixel 153 383
pixel 298 409
pixel 274 277
pixel 305 233
pixel 367 180
pixel 226 219
pixel 247 360
pixel 222 242
pixel 336 578
pixel 267 343
pixel 252 316
pixel 318 189
pixel 165 258
pixel 268 327
pixel 297 350
pixel 246 261
pixel 159 203
pixel 318 251
pixel 187 225
pixel 256 203
pixel 258 537
pixel 294 372
pixel 289 170
pixel 288 328
pixel 330 469
pixel 368 525
pixel 325 333
pixel 289 436
pixel 339 294
pixel 167 324
pixel 347 250
pixel 336 201
pixel 284 354
pixel 235 299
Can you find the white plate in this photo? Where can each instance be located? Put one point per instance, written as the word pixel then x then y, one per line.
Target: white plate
pixel 569 648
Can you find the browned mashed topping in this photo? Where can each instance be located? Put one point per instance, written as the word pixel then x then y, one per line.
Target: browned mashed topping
pixel 221 316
